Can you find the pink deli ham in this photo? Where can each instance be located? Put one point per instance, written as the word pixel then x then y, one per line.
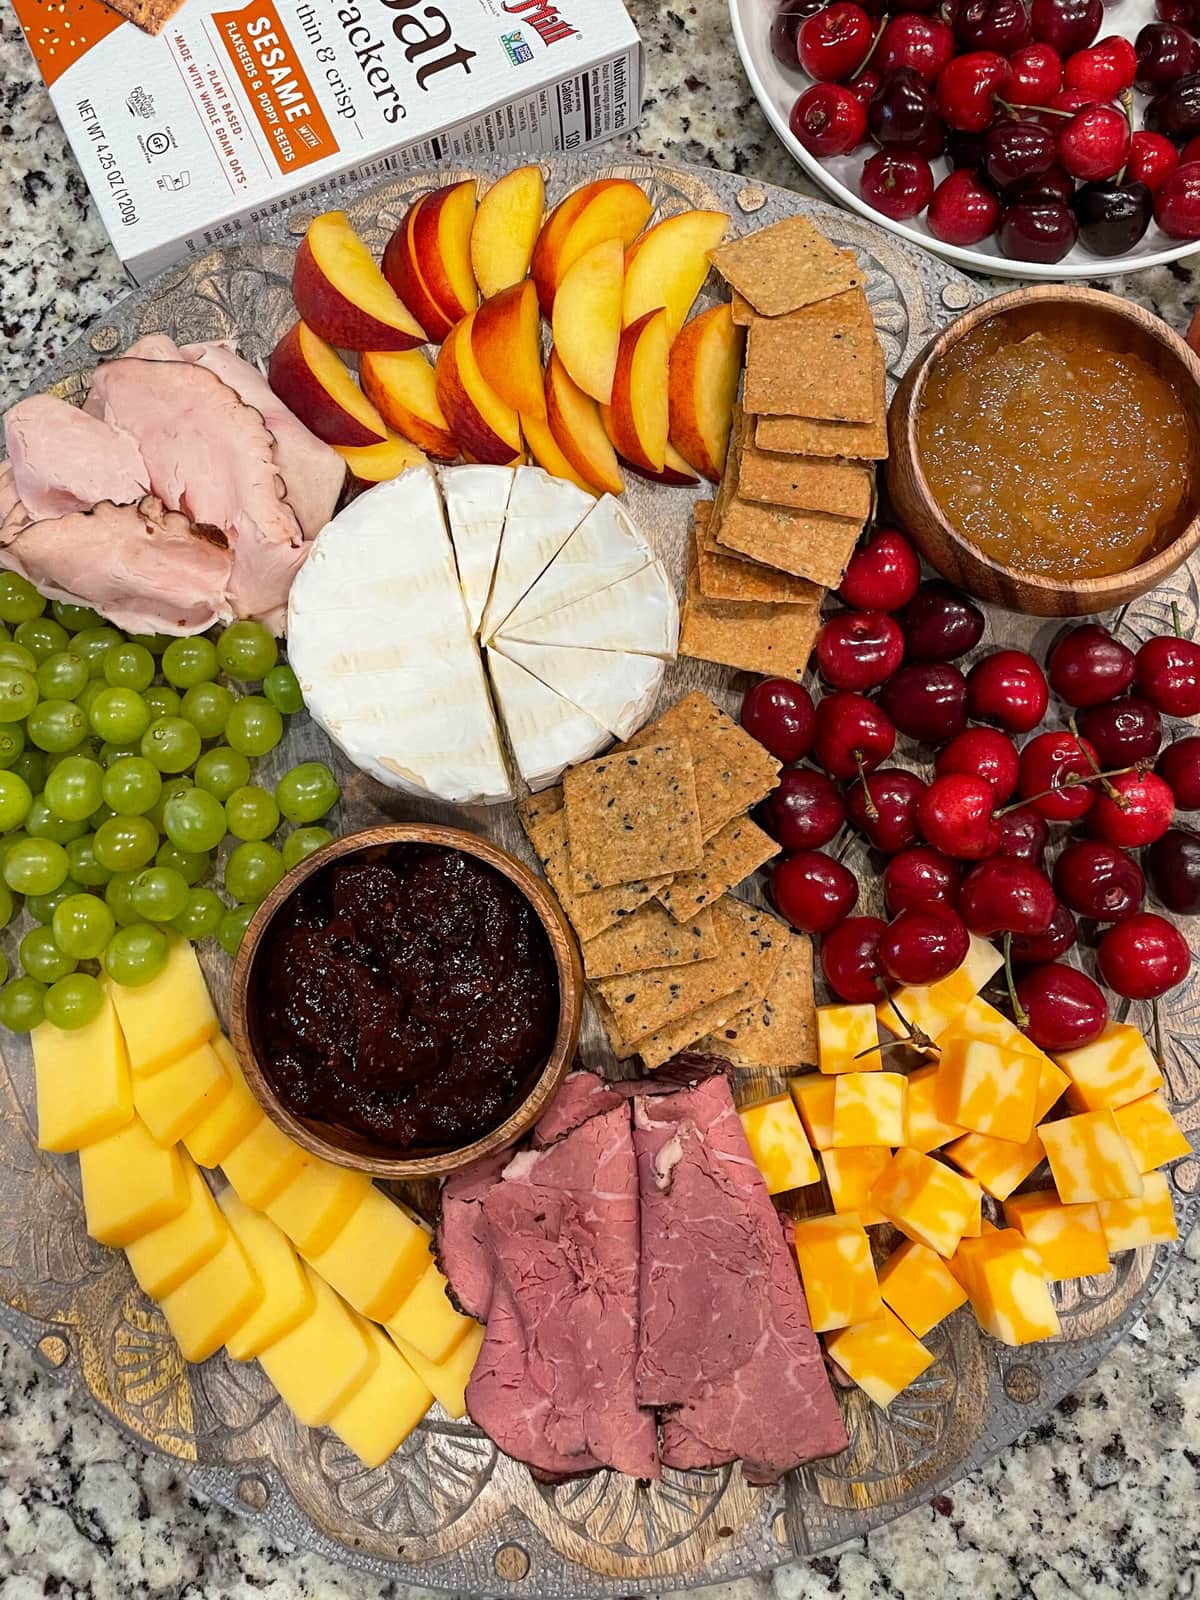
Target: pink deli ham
pixel 64 459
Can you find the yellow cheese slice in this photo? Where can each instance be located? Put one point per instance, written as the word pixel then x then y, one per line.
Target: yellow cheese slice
pixel 447 1379
pixel 375 1422
pixel 227 1122
pixel 927 1201
pixel 84 1089
pixel 881 1356
pixel 171 1102
pixel 426 1318
pixel 837 1271
pixel 324 1361
pixel 208 1308
pixel 847 1037
pixel 779 1145
pixel 997 1165
pixel 377 1259
pixel 919 1287
pixel 131 1184
pixel 287 1293
pixel 868 1109
pixel 986 1088
pixel 1069 1239
pixel 263 1163
pixel 165 1018
pixel 850 1175
pixel 1151 1132
pixel 1089 1159
pixel 813 1095
pixel 924 1130
pixel 1114 1069
pixel 1147 1219
pixel 315 1205
pixel 163 1259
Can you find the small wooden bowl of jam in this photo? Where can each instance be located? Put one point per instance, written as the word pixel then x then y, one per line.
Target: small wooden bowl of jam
pixel 407 1000
pixel 1045 451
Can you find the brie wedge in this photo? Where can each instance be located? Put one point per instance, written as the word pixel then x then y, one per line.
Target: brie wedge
pixel 638 613
pixel 545 732
pixel 476 499
pixel 604 547
pixel 543 512
pixel 617 688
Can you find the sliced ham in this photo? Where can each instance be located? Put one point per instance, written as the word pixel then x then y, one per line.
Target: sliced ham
pixel 13 515
pixel 63 459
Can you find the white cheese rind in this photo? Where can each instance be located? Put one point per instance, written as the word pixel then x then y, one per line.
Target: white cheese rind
pixel 638 613
pixel 618 688
pixel 545 732
pixel 476 498
pixel 543 512
pixel 604 548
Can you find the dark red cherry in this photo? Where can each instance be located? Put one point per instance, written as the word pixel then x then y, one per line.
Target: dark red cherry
pixel 1024 834
pixel 1143 957
pixel 805 811
pixel 1132 809
pixel 927 701
pixel 918 876
pixel 1173 865
pixel 1122 732
pixel 999 25
pixel 1057 770
pixel 1168 674
pixel 1037 229
pixel 785 25
pixel 883 807
pixel 1098 880
pixel 1088 666
pixel 1001 895
pixel 923 944
pixel 1066 1010
pixel 813 891
pixel 956 816
pixel 1007 688
pixel 850 960
pixel 780 714
pixel 903 113
pixel 883 574
pixel 859 649
pixel 1068 25
pixel 940 623
pixel 1058 938
pixel 1179 767
pixel 986 753
pixel 853 735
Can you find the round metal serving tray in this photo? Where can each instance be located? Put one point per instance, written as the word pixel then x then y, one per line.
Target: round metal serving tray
pixel 447 1509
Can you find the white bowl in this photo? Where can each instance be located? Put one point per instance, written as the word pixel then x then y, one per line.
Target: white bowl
pixel 776 88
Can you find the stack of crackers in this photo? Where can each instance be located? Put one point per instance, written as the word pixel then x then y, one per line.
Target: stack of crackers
pixel 799 480
pixel 641 847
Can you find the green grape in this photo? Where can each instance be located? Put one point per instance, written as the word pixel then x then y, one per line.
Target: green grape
pixel 201 914
pixel 254 726
pixel 247 651
pixel 12 742
pixel 56 725
pixel 123 844
pixel 110 754
pixel 88 695
pixel 15 801
pixel 232 928
pixel 302 843
pixel 21 1007
pixel 18 693
pixel 73 789
pixel 101 814
pixel 156 643
pixel 171 744
pixel 187 662
pixel 88 747
pixel 307 792
pixel 251 813
pixel 282 688
pixel 129 666
pixel 252 871
pixel 93 644
pixel 191 865
pixel 75 617
pixel 7 907
pixel 35 866
pixel 41 957
pixel 82 925
pixel 41 907
pixel 159 894
pixel 82 864
pixel 131 786
pixel 73 1002
pixel 222 770
pixel 119 715
pixel 19 600
pixel 179 784
pixel 16 655
pixel 42 636
pixel 118 898
pixel 7 843
pixel 42 823
pixel 194 821
pixel 162 701
pixel 136 954
pixel 3 968
pixel 207 706
pixel 31 765
pixel 62 676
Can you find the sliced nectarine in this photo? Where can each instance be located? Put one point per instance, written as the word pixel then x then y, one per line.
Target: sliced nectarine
pixel 668 264
pixel 401 270
pixel 506 338
pixel 311 379
pixel 342 295
pixel 705 365
pixel 486 428
pixel 505 229
pixel 441 245
pixel 574 419
pixel 375 463
pixel 636 420
pixel 587 317
pixel 675 469
pixel 549 455
pixel 399 383
pixel 610 208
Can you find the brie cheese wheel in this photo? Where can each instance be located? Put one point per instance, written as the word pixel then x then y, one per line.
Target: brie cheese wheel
pixel 543 512
pixel 619 692
pixel 545 732
pixel 638 613
pixel 476 499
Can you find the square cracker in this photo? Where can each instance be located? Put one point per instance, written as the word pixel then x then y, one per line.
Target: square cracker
pixel 593 910
pixel 733 772
pixel 739 849
pixel 806 436
pixel 151 16
pixel 535 808
pixel 779 1029
pixel 650 938
pixel 798 370
pixel 633 814
pixel 849 309
pixel 659 1046
pixel 725 576
pixel 784 266
pixel 837 487
pixel 753 636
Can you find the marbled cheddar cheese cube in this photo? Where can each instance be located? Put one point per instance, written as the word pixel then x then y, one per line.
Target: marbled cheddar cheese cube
pixel 997 1165
pixel 375 1422
pixel 447 1379
pixel 813 1094
pixel 1151 1132
pixel 851 1174
pixel 226 1123
pixel 287 1290
pixel 1069 1239
pixel 868 1109
pixel 209 1307
pixel 263 1163
pixel 1052 1085
pixel 313 1207
pixel 131 1184
pixel 982 1021
pixel 378 1257
pixel 1114 1069
pixel 779 1144
pixel 172 1101
pixel 927 1201
pixel 982 961
pixel 1148 1219
pixel 163 1259
pixel 935 1007
pixel 837 1271
pixel 919 1287
pixel 881 1356
pixel 957 1264
pixel 165 1018
pixel 84 1089
pixel 987 1088
pixel 324 1361
pixel 924 1130
pixel 1007 1288
pixel 847 1037
pixel 427 1318
pixel 1089 1159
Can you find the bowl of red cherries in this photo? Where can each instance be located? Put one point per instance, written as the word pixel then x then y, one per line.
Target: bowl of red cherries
pixel 1043 138
pixel 1046 804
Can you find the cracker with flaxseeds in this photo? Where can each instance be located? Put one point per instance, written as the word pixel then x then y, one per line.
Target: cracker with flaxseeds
pixel 779 1029
pixel 840 488
pixel 732 771
pixel 753 636
pixel 784 266
pixel 632 814
pixel 806 436
pixel 725 575
pixel 650 938
pixel 593 910
pixel 793 370
pixel 730 856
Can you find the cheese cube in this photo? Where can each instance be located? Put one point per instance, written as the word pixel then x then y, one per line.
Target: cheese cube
pixel 375 1422
pixel 1007 1288
pixel 1114 1069
pixel 868 1109
pixel 919 1287
pixel 324 1361
pixel 934 1007
pixel 208 1308
pixel 1149 1219
pixel 983 1021
pixel 927 1201
pixel 447 1379
pixel 1151 1132
pixel 1089 1159
pixel 813 1095
pixel 377 1259
pixel 161 1260
pixel 427 1319
pixel 924 1130
pixel 165 1018
pixel 172 1101
pixel 263 1163
pixel 988 1088
pixel 851 1174
pixel 881 1356
pixel 837 1271
pixel 957 1264
pixel 287 1292
pixel 227 1122
pixel 779 1144
pixel 131 1185
pixel 1052 1085
pixel 997 1165
pixel 847 1037
pixel 1069 1239
pixel 84 1090
pixel 315 1205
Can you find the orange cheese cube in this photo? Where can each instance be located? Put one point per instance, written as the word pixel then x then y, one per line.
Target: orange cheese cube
pixel 957 1264
pixel 1114 1069
pixel 986 1087
pixel 982 1021
pixel 1052 1085
pixel 1007 1288
pixel 1148 1219
pixel 919 1287
pixel 779 1144
pixel 1069 1239
pixel 927 1201
pixel 924 1130
pixel 936 1006
pixel 868 1109
pixel 1151 1132
pixel 847 1037
pixel 881 1356
pixel 813 1095
pixel 851 1175
pixel 997 1165
pixel 1089 1159
pixel 837 1271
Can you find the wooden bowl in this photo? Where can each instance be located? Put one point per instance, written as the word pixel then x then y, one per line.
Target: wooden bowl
pixel 1114 322
pixel 340 1145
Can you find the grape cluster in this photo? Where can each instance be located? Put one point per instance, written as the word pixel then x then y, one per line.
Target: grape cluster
pixel 125 760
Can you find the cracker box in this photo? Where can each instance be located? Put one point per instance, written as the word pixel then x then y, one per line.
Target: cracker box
pixel 193 121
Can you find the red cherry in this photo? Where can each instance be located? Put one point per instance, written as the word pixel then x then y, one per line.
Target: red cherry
pixel 985 753
pixel 1070 100
pixel 1143 956
pixel 850 960
pixel 883 574
pixel 923 944
pixel 1001 895
pixel 1190 151
pixel 1104 70
pixel 1177 203
pixel 1168 674
pixel 999 25
pixel 780 714
pixel 967 89
pixel 866 86
pixel 1056 941
pixel 829 120
pixel 1088 666
pixel 1152 157
pixel 1056 769
pixel 1122 732
pixel 1037 73
pixel 918 876
pixel 1008 688
pixel 1094 143
pixel 940 623
pixel 896 183
pixel 889 820
pixel 955 814
pixel 1068 25
pixel 834 41
pixel 859 649
pixel 1179 767
pixel 924 44
pixel 1066 1010
pixel 1024 834
pixel 852 734
pixel 1173 866
pixel 813 891
pixel 805 811
pixel 963 209
pixel 1141 814
pixel 1099 881
pixel 926 701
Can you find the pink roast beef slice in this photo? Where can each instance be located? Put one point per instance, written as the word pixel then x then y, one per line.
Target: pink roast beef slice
pixel 461 1240
pixel 64 460
pixel 579 1096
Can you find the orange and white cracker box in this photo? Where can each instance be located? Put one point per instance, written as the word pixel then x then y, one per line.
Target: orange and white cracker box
pixel 195 121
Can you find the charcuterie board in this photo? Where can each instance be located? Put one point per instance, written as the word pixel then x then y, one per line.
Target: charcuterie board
pixel 448 1509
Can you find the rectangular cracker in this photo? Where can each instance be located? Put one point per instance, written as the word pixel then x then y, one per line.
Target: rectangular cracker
pixel 753 636
pixel 535 808
pixel 650 938
pixel 632 814
pixel 730 856
pixel 658 1047
pixel 795 370
pixel 593 910
pixel 732 771
pixel 785 266
pixel 849 309
pixel 805 436
pixel 837 487
pixel 780 1029
pixel 726 576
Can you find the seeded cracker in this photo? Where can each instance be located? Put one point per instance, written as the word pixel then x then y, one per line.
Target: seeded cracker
pixel 633 814
pixel 725 576
pixel 788 265
pixel 805 436
pixel 836 487
pixel 650 938
pixel 755 636
pixel 660 1046
pixel 151 16
pixel 779 1030
pixel 536 807
pixel 732 771
pixel 594 910
pixel 730 856
pixel 798 371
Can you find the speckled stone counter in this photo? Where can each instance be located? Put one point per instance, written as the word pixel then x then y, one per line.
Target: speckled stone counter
pixel 1101 1501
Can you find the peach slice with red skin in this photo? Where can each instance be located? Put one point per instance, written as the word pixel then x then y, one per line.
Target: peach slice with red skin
pixel 506 340
pixel 486 428
pixel 667 265
pixel 376 463
pixel 705 365
pixel 610 208
pixel 675 471
pixel 342 295
pixel 505 229
pixel 441 246
pixel 314 382
pixel 637 419
pixel 546 451
pixel 400 385
pixel 402 272
pixel 577 429
pixel 586 319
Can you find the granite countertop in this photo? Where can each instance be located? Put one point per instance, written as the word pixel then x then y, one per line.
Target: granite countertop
pixel 1098 1501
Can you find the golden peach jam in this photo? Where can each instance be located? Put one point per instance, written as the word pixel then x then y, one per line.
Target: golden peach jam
pixel 1053 455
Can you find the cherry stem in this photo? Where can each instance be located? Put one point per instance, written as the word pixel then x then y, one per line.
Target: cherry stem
pixel 1158 1038
pixel 1113 793
pixel 913 1035
pixel 1019 1012
pixel 1126 99
pixel 1175 622
pixel 1073 780
pixel 870 807
pixel 1045 111
pixel 863 64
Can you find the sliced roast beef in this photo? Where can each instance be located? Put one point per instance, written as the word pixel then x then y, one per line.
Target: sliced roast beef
pixel 579 1096
pixel 64 460
pixel 461 1239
